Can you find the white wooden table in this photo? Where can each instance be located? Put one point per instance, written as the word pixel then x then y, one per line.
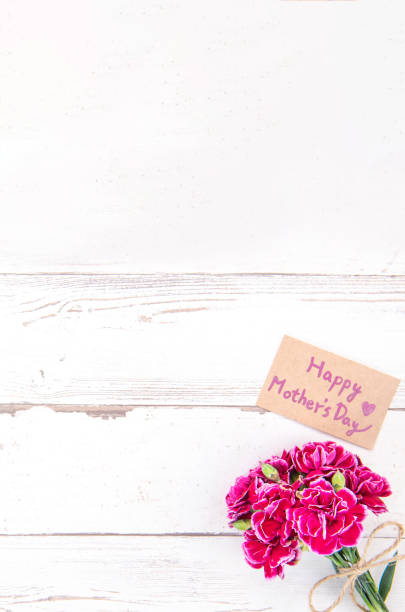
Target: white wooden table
pixel 181 184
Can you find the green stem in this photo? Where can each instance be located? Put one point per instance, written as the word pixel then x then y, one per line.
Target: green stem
pixel 364 584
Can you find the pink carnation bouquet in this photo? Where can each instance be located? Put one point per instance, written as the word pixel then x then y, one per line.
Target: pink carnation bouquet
pixel 310 498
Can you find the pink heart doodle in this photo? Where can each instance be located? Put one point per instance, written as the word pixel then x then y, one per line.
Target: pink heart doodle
pixel 367 408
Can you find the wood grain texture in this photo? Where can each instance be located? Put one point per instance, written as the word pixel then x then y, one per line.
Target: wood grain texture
pixel 196 339
pixel 156 471
pixel 136 574
pixel 204 139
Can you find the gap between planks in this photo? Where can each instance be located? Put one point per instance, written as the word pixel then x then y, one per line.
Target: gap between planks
pixel 113 411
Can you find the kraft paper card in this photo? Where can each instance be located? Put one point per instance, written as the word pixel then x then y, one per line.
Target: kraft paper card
pixel 327 392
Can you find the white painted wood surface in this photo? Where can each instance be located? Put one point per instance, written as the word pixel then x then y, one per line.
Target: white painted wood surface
pixel 162 470
pixel 146 136
pixel 129 574
pixel 141 141
pixel 158 470
pixel 187 339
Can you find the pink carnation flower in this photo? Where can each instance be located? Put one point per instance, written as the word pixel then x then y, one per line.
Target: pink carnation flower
pixel 326 519
pixel 317 459
pixel 369 488
pixel 272 543
pixel 269 519
pixel 241 496
pixel 243 493
pixel 271 556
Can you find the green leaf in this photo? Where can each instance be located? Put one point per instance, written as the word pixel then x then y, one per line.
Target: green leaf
pixel 242 524
pixel 270 472
pixel 338 480
pixel 386 579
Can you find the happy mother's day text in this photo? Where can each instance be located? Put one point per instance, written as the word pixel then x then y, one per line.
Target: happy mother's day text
pixel 331 408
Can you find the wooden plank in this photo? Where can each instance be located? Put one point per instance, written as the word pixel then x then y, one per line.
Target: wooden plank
pixel 184 339
pixel 187 574
pixel 158 470
pixel 211 149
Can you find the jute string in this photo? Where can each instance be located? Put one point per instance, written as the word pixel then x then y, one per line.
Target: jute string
pixel 351 573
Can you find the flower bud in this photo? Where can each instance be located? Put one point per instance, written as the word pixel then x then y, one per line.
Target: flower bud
pixel 242 524
pixel 270 472
pixel 338 480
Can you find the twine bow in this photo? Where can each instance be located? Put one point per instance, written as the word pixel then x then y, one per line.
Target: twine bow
pixel 351 573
